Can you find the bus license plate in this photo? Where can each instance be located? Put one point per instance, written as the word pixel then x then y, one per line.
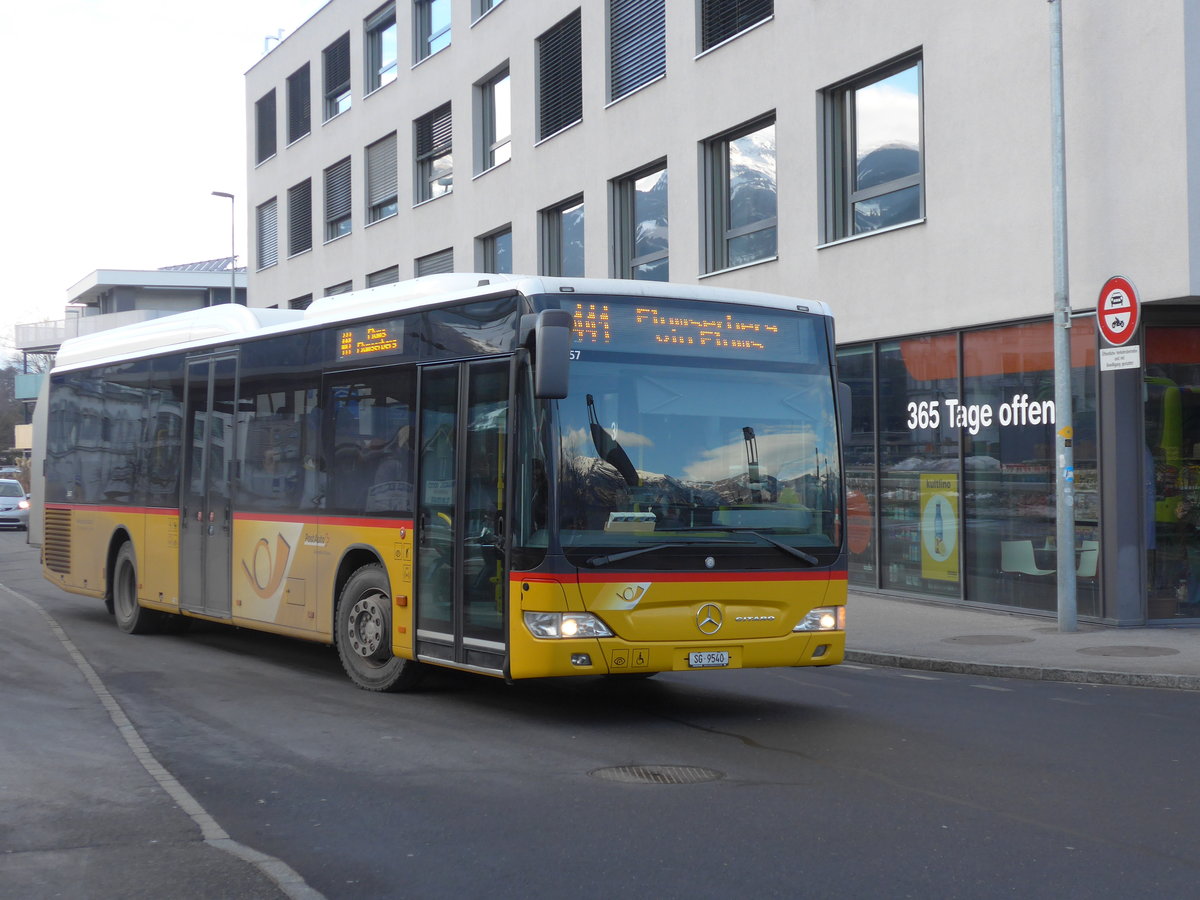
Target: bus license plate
pixel 708 659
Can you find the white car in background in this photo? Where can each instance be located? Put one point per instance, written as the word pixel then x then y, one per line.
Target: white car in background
pixel 14 504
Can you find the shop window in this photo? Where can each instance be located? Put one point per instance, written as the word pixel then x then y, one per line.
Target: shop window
pixel 1005 417
pixel 874 165
pixel 856 368
pixel 918 466
pixel 1172 430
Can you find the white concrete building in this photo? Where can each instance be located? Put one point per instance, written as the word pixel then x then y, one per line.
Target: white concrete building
pixel 892 159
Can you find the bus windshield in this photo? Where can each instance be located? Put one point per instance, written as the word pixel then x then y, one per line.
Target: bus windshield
pixel 686 426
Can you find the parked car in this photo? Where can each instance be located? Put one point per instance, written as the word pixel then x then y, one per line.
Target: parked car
pixel 14 504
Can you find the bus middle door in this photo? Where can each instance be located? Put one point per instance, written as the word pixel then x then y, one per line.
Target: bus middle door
pixel 461 567
pixel 206 512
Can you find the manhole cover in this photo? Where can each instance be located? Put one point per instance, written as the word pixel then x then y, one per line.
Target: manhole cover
pixel 987 639
pixel 657 774
pixel 1128 650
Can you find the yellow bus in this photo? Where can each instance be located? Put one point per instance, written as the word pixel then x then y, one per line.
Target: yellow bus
pixel 517 476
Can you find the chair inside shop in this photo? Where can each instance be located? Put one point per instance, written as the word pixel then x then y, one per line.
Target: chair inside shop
pixel 1089 559
pixel 1017 557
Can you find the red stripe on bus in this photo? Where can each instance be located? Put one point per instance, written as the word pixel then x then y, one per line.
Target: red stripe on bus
pixel 681 577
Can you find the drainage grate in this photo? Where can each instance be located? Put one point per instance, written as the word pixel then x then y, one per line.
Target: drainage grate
pixel 657 774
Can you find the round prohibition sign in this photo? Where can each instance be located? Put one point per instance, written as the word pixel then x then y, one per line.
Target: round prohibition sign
pixel 1117 310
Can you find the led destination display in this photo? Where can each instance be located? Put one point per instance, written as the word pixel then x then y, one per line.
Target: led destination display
pixel 692 329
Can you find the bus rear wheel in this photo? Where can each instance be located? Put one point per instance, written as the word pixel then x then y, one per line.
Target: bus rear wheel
pixel 363 633
pixel 131 618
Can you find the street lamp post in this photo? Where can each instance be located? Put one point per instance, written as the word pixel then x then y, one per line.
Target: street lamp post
pixel 232 244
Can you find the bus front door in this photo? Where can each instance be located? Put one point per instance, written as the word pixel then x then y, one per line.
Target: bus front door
pixel 461 571
pixel 205 509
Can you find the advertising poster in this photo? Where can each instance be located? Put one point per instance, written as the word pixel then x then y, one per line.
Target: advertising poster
pixel 939 527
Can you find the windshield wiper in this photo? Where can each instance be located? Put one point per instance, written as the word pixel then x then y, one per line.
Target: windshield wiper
pixel 734 529
pixel 629 554
pixel 787 548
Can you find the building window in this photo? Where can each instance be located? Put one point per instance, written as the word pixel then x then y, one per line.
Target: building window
pixel 299 101
pixel 264 127
pixel 436 263
pixel 481 7
pixel 637 44
pixel 560 77
pixel 874 171
pixel 496 252
pixel 381 48
pixel 434 154
pixel 390 275
pixel 381 179
pixel 562 239
pixel 722 19
pixel 300 302
pixel 337 200
pixel 741 208
pixel 300 230
pixel 344 287
pixel 495 121
pixel 266 233
pixel 337 77
pixel 431 26
pixel 640 219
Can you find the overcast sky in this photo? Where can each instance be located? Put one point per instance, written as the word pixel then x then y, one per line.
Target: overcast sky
pixel 122 117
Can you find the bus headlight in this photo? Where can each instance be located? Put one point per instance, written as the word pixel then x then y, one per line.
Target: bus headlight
pixel 823 618
pixel 565 625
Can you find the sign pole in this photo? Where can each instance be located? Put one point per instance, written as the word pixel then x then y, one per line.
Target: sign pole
pixel 1064 454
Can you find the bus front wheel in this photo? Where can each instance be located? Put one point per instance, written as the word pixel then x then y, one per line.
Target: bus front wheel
pixel 131 618
pixel 364 634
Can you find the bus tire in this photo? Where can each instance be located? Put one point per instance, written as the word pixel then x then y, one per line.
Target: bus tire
pixel 131 617
pixel 363 634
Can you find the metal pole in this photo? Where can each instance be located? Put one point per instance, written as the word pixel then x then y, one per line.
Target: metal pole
pixel 232 244
pixel 1063 419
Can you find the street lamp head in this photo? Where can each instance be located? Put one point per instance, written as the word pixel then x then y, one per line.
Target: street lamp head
pixel 222 194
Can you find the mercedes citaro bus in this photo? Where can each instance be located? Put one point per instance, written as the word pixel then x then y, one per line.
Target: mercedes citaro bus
pixel 516 476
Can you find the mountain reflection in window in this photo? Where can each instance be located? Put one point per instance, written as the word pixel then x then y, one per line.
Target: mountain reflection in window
pixel 887 151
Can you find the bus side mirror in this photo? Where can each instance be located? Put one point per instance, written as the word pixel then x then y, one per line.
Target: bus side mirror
pixel 845 399
pixel 551 353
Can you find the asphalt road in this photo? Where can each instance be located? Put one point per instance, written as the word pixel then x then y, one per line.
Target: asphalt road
pixel 847 781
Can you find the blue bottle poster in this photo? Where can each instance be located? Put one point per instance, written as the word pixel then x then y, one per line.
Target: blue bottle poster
pixel 939 527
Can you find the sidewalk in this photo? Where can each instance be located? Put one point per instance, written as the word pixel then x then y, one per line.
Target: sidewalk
pixel 892 631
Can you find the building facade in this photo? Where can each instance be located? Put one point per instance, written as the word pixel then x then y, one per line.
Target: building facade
pixel 892 159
